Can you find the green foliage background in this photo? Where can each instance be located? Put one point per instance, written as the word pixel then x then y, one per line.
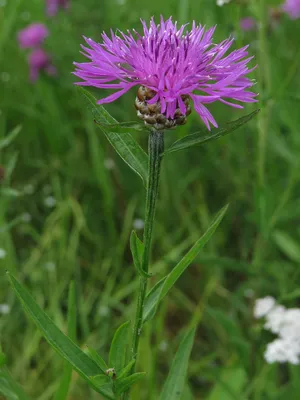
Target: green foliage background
pixel 60 152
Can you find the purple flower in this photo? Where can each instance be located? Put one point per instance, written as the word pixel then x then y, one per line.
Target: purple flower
pixel 53 6
pixel 247 24
pixel 172 66
pixel 292 8
pixel 39 60
pixel 32 36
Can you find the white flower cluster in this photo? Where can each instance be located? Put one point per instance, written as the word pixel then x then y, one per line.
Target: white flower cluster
pixel 286 324
pixel 222 2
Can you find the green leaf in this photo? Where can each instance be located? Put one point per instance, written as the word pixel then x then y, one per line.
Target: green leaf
pixel 10 137
pixel 9 388
pixel 204 136
pixel 65 383
pixel 100 380
pixel 230 385
pixel 124 144
pixel 94 355
pixel 175 382
pixel 64 346
pixel 126 370
pixel 287 245
pixel 137 250
pixel 118 348
pixel 124 384
pixel 152 300
pixel 164 285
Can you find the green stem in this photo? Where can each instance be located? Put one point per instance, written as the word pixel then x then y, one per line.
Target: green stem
pixel 156 149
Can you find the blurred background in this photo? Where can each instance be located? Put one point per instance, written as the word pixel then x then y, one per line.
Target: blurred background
pixel 68 204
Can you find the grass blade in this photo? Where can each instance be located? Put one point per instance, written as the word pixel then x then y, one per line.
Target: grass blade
pixel 175 382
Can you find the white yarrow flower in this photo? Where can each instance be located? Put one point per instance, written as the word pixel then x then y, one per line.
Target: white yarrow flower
pixel 263 306
pixel 222 2
pixel 4 309
pixel 283 350
pixel 50 266
pixel 286 324
pixel 2 254
pixel 138 224
pixel 163 345
pixel 103 311
pixel 109 163
pixel 274 319
pixel 50 201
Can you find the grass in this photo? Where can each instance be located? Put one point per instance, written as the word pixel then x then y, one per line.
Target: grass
pixel 59 152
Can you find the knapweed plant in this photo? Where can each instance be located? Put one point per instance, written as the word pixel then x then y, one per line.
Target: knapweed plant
pixel 173 70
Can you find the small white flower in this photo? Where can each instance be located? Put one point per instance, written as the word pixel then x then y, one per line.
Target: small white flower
pixel 4 309
pixel 163 345
pixel 28 189
pixel 2 254
pixel 50 201
pixel 26 217
pixel 103 311
pixel 283 350
pixel 138 224
pixel 290 325
pixel 109 163
pixel 50 266
pixel 263 306
pixel 274 319
pixel 222 2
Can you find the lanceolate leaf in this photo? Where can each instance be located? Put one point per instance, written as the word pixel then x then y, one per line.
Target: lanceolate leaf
pixel 204 136
pixel 137 249
pixel 162 287
pixel 152 300
pixel 175 382
pixel 124 384
pixel 123 142
pixel 67 349
pixel 118 348
pixel 97 358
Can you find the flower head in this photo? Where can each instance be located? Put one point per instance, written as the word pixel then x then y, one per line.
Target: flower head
pixel 263 306
pixel 32 36
pixel 39 60
pixel 283 350
pixel 247 24
pixel 292 8
pixel 172 66
pixel 286 324
pixel 53 6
